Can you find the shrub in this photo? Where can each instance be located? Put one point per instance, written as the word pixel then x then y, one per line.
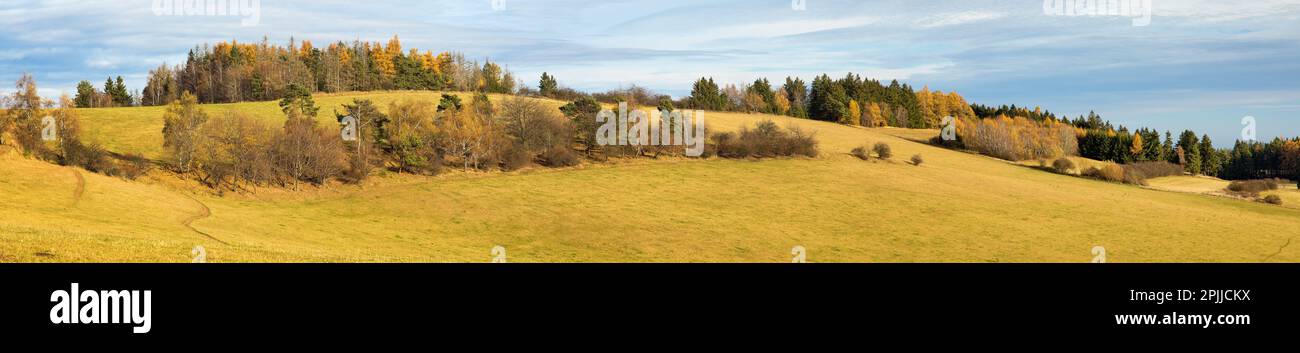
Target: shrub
pixel 1273 199
pixel 766 140
pixel 1063 166
pixel 1253 187
pixel 558 156
pixel 1154 169
pixel 133 166
pixel 917 160
pixel 883 151
pixel 358 169
pixel 1091 172
pixel 515 159
pixel 1134 177
pixel 861 153
pixel 1111 173
pixel 95 159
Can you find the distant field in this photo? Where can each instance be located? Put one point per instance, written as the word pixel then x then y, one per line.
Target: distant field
pixel 956 207
pixel 1210 186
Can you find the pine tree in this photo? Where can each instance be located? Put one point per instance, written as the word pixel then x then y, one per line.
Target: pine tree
pixel 86 95
pixel 1191 147
pixel 548 85
pixel 706 95
pixel 796 92
pixel 1211 163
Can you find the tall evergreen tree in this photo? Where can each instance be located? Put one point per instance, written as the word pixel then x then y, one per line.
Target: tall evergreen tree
pixel 1191 147
pixel 86 95
pixel 547 86
pixel 1211 163
pixel 797 94
pixel 706 95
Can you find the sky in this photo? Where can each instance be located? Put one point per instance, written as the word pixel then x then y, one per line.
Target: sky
pixel 1198 64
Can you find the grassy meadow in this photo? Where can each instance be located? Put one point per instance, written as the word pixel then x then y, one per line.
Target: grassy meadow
pixel 955 207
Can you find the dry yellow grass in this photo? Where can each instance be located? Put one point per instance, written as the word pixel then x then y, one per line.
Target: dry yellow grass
pixel 957 207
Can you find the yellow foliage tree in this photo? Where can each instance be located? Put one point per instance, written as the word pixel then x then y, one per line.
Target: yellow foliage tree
pixel 1136 149
pixel 854 114
pixel 782 103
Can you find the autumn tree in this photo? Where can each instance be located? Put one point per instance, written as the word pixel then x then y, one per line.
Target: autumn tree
pixel 370 131
pixel 766 102
pixel 853 115
pixel 162 87
pixel 1136 147
pixel 307 152
pixel 753 103
pixel 796 93
pixel 233 151
pixel 181 121
pixel 410 138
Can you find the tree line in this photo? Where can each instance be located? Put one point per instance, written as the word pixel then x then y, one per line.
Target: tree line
pixel 228 72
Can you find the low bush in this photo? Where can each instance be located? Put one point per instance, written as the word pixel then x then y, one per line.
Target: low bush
pixel 1154 169
pixel 883 151
pixel 1134 177
pixel 558 156
pixel 1273 199
pixel 1253 187
pixel 133 166
pixel 1063 166
pixel 516 159
pixel 861 153
pixel 766 140
pixel 917 160
pixel 1112 173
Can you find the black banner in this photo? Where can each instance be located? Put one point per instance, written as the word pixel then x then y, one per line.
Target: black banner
pixel 454 301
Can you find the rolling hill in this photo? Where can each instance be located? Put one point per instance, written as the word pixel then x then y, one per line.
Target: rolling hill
pixel 956 207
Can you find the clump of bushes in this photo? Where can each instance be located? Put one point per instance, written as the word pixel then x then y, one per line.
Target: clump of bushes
pixel 766 140
pixel 917 160
pixel 861 153
pixel 1063 166
pixel 133 166
pixel 1154 169
pixel 1253 187
pixel 558 156
pixel 1112 173
pixel 883 151
pixel 1134 173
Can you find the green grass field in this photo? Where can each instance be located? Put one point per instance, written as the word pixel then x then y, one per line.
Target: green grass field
pixel 956 207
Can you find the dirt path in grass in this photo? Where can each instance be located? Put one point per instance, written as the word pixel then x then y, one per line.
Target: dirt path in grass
pixel 1279 250
pixel 205 212
pixel 81 188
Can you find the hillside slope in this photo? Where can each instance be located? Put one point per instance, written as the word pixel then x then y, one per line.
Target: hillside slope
pixel 956 207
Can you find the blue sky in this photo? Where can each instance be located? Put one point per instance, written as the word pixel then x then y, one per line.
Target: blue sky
pixel 1199 64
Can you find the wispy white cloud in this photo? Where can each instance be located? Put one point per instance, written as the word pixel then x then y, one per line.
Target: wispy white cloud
pixel 958 18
